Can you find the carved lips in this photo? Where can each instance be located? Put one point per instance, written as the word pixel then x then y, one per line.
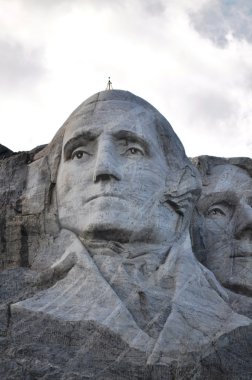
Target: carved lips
pixel 242 249
pixel 104 195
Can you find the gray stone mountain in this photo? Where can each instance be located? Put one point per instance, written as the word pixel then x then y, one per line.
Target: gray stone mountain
pixel 114 266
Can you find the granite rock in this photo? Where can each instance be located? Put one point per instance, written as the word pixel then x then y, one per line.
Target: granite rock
pixel 102 281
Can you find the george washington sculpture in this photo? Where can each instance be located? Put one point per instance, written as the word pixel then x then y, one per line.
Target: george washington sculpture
pixel 123 287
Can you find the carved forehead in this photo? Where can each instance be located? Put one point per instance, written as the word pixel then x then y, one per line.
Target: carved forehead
pixel 111 113
pixel 117 107
pixel 227 177
pixel 127 107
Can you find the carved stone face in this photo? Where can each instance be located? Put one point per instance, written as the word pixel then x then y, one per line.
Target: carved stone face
pixel 112 176
pixel 226 206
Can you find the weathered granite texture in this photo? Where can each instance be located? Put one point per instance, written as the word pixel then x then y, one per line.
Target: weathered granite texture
pixel 13 219
pixel 222 225
pixel 13 168
pixel 110 287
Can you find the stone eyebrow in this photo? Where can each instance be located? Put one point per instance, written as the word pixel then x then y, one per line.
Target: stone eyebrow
pixel 132 137
pixel 228 197
pixel 81 139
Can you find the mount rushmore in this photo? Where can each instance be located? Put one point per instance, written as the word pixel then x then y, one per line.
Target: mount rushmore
pixel 121 258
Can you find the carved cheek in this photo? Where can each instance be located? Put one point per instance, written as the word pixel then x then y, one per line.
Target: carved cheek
pixel 68 178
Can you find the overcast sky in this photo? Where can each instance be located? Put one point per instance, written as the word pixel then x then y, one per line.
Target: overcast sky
pixel 191 59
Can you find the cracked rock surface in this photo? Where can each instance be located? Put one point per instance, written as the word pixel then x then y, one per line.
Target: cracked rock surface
pixel 116 263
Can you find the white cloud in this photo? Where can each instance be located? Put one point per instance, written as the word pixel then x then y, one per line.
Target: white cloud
pixel 19 66
pixel 154 49
pixel 219 18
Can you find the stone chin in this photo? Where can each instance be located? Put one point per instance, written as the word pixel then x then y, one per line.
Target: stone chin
pixel 110 226
pixel 88 222
pixel 113 218
pixel 106 232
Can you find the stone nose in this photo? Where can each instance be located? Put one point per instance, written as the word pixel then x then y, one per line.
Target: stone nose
pixel 107 164
pixel 244 222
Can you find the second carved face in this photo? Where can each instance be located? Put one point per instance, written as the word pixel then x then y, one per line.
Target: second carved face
pixel 225 209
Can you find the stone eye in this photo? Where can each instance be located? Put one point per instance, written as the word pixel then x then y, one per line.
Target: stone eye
pixel 134 151
pixel 215 211
pixel 77 154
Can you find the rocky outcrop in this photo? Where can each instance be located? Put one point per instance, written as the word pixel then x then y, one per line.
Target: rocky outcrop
pixel 98 275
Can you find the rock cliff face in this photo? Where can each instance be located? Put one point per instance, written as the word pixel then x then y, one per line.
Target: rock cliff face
pixel 13 170
pixel 14 221
pixel 113 266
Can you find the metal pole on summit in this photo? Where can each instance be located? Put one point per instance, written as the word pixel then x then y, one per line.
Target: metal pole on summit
pixel 109 85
